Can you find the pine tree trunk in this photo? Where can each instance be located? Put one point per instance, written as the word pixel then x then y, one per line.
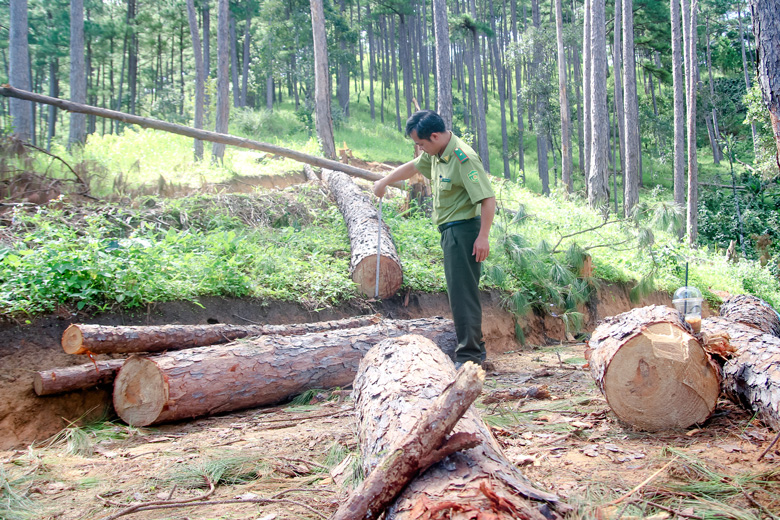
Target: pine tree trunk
pixel 371 60
pixel 78 75
pixel 630 113
pixel 715 141
pixel 747 75
pixel 245 62
pixel 693 165
pixel 499 68
pixel 200 83
pixel 587 112
pixel 397 382
pixel 480 115
pixel 766 29
pixel 234 62
pixel 223 78
pixel 250 373
pixel 443 70
pixel 104 339
pixel 599 149
pixel 519 96
pixel 19 69
pixel 567 161
pixel 653 372
pixel 752 376
pixel 679 107
pixel 323 120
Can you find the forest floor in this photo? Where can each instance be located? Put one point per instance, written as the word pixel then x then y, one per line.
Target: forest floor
pixel 281 462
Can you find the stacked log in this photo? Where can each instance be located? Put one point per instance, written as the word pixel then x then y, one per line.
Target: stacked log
pixel 79 377
pixel 653 371
pixel 398 381
pixel 752 311
pixel 752 376
pixel 102 339
pixel 253 372
pixel 364 228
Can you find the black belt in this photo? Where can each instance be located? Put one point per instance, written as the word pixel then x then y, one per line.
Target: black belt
pixel 448 225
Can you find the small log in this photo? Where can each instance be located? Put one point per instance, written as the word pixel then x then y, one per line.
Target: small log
pixel 752 311
pixel 253 372
pixel 68 379
pixel 362 221
pixel 752 376
pixel 103 339
pixel 421 448
pixel 398 382
pixel 653 372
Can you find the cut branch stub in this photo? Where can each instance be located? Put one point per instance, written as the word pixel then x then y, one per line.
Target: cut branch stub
pixel 653 372
pixel 398 382
pixel 362 220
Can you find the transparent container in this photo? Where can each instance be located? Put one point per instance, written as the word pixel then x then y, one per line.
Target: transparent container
pixel 688 301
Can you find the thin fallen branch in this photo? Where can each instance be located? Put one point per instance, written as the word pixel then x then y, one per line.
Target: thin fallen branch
pixel 580 232
pixel 642 484
pixel 153 506
pixel 673 511
pixel 142 506
pixel 774 441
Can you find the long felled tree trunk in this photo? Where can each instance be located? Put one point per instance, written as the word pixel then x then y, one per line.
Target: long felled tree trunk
pixel 250 373
pixel 364 230
pixel 104 339
pixel 653 372
pixel 752 376
pixel 752 311
pixel 397 383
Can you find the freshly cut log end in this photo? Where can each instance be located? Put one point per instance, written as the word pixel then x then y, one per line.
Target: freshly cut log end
pixel 660 379
pixel 752 311
pixel 390 276
pixel 653 372
pixel 140 391
pixel 72 340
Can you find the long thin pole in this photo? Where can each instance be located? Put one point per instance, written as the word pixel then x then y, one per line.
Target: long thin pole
pixel 205 135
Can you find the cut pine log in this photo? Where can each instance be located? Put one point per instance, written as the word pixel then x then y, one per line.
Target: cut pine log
pixel 362 220
pixel 253 372
pixel 104 339
pixel 752 376
pixel 398 382
pixel 752 311
pixel 653 372
pixel 68 379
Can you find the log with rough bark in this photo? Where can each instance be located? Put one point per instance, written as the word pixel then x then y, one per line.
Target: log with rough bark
pixel 653 372
pixel 68 379
pixel 398 382
pixel 424 445
pixel 752 376
pixel 253 372
pixel 204 135
pixel 362 220
pixel 752 311
pixel 105 339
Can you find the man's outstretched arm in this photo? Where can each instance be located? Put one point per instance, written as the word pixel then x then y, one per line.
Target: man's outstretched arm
pixel 402 173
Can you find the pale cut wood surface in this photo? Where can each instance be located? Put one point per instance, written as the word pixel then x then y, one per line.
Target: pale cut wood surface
pixel 653 372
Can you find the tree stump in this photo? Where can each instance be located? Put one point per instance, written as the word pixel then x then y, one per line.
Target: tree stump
pixel 752 311
pixel 653 372
pixel 398 381
pixel 752 376
pixel 253 372
pixel 362 221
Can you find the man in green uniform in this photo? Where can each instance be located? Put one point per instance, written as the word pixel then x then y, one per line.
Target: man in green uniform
pixel 463 209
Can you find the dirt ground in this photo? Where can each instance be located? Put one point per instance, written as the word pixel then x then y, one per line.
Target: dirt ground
pixel 279 463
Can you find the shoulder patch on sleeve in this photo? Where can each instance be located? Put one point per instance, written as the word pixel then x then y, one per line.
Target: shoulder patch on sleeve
pixel 474 176
pixel 462 157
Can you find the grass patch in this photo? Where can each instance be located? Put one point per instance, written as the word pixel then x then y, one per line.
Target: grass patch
pixel 14 504
pixel 228 470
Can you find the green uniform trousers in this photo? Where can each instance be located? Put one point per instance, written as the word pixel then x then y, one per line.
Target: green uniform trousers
pixel 462 272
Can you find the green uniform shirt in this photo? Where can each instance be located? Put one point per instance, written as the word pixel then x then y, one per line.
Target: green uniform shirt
pixel 458 181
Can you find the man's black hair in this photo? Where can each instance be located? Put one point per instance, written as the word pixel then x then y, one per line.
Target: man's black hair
pixel 425 122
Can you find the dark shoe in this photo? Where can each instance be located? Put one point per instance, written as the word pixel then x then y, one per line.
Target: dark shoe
pixel 488 366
